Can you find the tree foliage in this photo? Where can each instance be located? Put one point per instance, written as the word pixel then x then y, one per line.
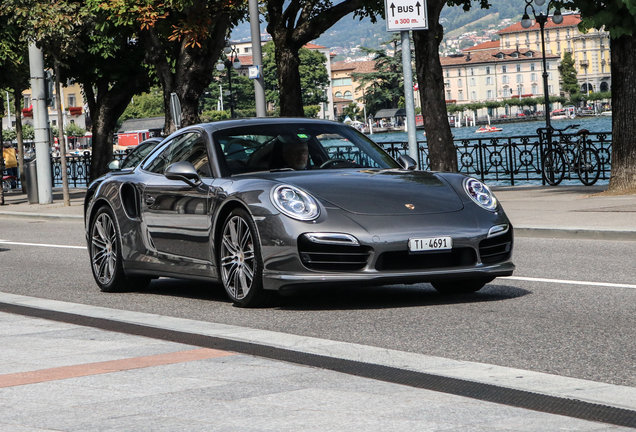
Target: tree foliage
pixel 568 74
pixel 314 78
pixel 294 23
pixel 383 87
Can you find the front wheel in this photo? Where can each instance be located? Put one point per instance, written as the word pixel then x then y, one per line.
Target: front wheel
pixel 553 167
pixel 589 166
pixel 459 287
pixel 105 254
pixel 240 261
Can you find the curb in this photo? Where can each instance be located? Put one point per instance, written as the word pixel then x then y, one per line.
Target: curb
pixel 40 215
pixel 576 233
pixel 526 232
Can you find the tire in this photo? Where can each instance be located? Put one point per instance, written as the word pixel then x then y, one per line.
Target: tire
pixel 553 167
pixel 105 254
pixel 589 166
pixel 241 262
pixel 459 287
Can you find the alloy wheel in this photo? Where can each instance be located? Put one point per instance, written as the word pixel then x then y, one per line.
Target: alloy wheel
pixel 238 264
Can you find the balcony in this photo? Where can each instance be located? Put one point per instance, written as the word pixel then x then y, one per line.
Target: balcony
pixel 584 63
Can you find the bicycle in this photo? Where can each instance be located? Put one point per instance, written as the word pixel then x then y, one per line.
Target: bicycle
pixel 559 159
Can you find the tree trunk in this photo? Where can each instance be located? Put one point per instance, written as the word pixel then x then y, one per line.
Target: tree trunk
pixel 17 96
pixel 193 72
pixel 289 89
pixel 105 109
pixel 623 177
pixel 60 137
pixel 441 149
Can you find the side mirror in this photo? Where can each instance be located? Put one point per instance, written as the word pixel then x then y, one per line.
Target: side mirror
pixel 183 171
pixel 407 162
pixel 114 165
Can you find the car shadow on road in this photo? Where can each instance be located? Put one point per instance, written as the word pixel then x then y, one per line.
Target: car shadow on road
pixel 388 296
pixel 342 297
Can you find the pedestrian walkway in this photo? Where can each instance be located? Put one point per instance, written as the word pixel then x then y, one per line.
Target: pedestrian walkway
pixel 57 375
pixel 535 211
pixel 68 367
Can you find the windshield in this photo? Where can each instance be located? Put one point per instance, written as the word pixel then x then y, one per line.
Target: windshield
pixel 295 146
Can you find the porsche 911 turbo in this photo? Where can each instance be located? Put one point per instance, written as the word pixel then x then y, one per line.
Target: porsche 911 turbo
pixel 261 205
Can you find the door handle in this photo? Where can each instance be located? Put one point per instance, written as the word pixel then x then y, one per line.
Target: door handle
pixel 150 200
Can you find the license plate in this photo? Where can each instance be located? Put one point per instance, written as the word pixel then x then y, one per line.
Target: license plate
pixel 429 244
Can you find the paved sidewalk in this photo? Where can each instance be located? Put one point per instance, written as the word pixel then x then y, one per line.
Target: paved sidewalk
pixel 56 376
pixel 63 374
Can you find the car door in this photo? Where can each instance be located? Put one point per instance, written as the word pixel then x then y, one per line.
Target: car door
pixel 176 214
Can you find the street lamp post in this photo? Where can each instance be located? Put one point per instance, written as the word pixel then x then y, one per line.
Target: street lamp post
pixel 541 19
pixel 230 62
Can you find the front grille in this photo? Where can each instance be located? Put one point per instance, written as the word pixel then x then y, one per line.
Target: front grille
pixel 328 257
pixel 403 260
pixel 496 249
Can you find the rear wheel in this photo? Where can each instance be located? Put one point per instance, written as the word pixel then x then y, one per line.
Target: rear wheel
pixel 240 261
pixel 589 166
pixel 105 253
pixel 553 167
pixel 459 287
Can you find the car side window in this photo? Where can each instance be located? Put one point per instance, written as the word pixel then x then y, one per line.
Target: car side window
pixel 188 147
pixel 157 163
pixel 191 148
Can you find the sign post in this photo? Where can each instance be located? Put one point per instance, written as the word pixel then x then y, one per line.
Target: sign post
pixel 403 16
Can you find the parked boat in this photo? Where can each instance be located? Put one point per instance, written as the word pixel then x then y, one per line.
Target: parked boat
pixel 485 129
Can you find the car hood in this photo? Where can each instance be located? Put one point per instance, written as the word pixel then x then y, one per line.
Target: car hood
pixel 378 192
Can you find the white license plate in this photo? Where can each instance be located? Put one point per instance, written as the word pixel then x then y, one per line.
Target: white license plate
pixel 429 244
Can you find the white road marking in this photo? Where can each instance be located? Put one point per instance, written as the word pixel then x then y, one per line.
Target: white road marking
pixel 572 282
pixel 41 245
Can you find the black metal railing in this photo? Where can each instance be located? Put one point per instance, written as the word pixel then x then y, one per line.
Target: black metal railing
pixel 501 161
pixel 510 160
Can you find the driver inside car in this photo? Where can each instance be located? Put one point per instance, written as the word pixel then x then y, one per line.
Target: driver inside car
pixel 296 155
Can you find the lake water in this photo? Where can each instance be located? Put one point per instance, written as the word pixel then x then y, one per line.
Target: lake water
pixel 593 124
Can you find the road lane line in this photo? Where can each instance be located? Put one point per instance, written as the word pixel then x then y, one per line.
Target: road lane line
pixel 571 282
pixel 81 370
pixel 41 245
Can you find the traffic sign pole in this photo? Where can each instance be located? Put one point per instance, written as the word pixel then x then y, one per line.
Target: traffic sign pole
pixel 408 96
pixel 404 16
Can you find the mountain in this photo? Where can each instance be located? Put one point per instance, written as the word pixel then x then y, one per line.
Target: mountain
pixel 349 32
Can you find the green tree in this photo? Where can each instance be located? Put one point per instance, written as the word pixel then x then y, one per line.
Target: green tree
pixel 294 23
pixel 55 26
pixel 314 78
pixel 73 129
pixel 183 41
pixel 144 105
pixel 618 17
pixel 568 74
pixel 383 87
pixel 14 77
pixel 428 71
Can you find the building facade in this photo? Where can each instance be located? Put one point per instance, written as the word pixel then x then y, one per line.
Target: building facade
pixel 590 51
pixel 488 73
pixel 345 87
pixel 73 108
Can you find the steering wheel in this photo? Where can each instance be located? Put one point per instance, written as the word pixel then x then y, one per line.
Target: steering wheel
pixel 334 162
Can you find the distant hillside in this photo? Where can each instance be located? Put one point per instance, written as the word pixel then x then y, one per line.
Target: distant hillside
pixel 349 32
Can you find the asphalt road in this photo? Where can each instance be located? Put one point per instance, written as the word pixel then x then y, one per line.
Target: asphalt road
pixel 569 329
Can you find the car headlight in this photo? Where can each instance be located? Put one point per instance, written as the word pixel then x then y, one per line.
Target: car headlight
pixel 295 203
pixel 481 194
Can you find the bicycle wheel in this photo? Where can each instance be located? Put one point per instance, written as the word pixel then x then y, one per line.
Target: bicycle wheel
pixel 553 167
pixel 589 166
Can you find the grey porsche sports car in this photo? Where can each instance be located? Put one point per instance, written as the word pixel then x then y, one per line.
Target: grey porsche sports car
pixel 262 205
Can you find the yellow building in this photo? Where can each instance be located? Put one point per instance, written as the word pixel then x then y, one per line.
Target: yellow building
pixel 345 88
pixel 590 51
